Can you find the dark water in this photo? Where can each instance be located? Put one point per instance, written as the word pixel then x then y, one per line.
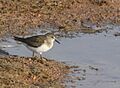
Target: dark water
pixel 94 50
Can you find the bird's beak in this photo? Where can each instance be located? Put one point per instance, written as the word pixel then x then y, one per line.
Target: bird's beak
pixel 57 41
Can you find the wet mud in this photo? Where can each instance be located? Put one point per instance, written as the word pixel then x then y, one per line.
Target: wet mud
pixel 65 15
pixel 31 72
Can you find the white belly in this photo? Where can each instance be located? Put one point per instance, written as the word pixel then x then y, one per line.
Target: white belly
pixel 42 48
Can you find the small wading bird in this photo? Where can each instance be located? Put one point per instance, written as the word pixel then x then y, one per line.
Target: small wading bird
pixel 38 44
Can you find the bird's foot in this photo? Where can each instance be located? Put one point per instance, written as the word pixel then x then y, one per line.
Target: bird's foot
pixel 42 58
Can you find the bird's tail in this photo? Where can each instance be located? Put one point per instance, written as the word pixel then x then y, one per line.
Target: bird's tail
pixel 18 39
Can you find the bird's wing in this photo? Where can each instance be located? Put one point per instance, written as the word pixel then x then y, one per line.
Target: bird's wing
pixel 34 41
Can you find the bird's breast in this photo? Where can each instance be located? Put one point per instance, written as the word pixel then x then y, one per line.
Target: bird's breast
pixel 44 47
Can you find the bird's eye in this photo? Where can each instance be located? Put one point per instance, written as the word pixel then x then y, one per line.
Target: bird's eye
pixel 52 37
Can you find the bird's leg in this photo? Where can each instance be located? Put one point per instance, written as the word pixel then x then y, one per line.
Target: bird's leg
pixel 33 54
pixel 40 55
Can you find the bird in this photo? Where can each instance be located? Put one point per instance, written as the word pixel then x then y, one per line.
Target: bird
pixel 39 43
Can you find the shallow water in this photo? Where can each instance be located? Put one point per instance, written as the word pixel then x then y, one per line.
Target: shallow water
pixel 94 50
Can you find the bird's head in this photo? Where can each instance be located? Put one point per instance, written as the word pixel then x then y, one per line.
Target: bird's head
pixel 51 37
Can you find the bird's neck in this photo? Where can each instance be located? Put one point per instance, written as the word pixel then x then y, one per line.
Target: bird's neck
pixel 50 43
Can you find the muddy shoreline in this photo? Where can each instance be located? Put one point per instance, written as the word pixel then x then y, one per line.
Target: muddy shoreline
pixel 31 72
pixel 17 17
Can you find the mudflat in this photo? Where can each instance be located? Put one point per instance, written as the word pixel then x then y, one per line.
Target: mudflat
pixel 18 16
pixel 31 72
